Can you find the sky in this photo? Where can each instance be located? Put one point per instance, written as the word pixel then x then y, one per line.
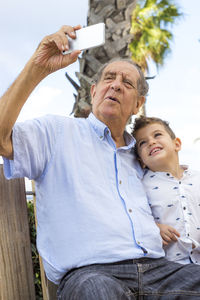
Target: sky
pixel 174 93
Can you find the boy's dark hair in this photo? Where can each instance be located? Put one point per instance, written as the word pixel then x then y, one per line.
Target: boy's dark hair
pixel 142 122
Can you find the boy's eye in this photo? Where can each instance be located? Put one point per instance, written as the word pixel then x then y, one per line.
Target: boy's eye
pixel 141 143
pixel 157 134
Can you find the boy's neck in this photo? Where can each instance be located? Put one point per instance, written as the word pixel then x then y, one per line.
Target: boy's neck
pixel 175 170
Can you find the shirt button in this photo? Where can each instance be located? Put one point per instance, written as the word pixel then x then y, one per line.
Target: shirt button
pixel 138 243
pixel 130 210
pixel 101 136
pixel 184 208
pixel 179 182
pixel 120 182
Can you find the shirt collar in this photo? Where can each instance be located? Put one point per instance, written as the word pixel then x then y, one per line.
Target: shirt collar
pixel 98 126
pixel 187 170
pixel 130 140
pixel 101 130
pixel 166 174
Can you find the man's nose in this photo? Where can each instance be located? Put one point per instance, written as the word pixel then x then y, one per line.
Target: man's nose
pixel 116 85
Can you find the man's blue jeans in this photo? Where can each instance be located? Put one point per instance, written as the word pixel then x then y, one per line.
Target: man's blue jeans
pixel 145 278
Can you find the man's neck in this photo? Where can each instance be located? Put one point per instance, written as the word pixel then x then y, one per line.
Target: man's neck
pixel 118 139
pixel 117 131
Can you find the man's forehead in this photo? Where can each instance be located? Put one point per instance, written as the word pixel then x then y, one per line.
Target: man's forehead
pixel 122 67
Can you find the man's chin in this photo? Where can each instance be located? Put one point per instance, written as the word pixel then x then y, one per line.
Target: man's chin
pixel 109 113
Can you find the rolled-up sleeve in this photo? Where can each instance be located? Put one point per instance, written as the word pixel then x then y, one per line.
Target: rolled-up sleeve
pixel 33 145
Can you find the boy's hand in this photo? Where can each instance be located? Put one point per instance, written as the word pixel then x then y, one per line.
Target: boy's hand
pixel 168 233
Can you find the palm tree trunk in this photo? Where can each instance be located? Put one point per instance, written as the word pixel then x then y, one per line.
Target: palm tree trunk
pixel 116 14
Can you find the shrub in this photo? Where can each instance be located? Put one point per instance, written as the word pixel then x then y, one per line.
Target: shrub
pixel 35 255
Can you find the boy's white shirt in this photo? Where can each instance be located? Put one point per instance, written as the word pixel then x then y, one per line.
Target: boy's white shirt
pixel 177 203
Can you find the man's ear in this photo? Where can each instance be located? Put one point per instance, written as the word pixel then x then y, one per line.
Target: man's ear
pixel 92 91
pixel 177 144
pixel 139 103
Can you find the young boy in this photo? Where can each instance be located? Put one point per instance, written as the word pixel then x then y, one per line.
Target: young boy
pixel 173 190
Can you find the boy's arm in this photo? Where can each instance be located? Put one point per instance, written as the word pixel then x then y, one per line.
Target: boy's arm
pixel 168 233
pixel 47 59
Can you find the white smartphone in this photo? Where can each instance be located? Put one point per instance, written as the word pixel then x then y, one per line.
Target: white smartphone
pixel 87 37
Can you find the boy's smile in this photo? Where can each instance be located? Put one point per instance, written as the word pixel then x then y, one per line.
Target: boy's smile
pixel 155 150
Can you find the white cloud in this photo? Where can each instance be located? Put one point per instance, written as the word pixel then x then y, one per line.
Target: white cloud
pixel 43 100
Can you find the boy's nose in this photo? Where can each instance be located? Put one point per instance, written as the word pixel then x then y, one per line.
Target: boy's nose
pixel 151 141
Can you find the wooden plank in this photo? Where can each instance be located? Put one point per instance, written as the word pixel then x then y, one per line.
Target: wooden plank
pixel 48 288
pixel 16 270
pixel 52 288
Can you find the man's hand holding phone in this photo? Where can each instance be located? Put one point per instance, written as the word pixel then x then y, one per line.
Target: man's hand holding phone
pixel 50 54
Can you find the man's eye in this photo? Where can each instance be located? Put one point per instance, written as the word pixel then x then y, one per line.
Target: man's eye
pixel 128 83
pixel 109 77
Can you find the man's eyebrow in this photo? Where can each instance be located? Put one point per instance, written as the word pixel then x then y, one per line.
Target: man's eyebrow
pixel 110 73
pixel 124 76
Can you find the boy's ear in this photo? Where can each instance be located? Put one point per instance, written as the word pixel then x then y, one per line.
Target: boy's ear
pixel 177 144
pixel 143 166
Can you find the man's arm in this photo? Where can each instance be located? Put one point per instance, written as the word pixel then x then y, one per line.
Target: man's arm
pixel 47 59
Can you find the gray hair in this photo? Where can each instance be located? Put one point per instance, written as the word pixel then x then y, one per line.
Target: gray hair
pixel 142 84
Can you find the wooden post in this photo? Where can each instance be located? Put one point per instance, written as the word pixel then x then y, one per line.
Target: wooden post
pixel 48 288
pixel 16 270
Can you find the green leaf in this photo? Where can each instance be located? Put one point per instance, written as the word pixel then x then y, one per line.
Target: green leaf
pixel 151 20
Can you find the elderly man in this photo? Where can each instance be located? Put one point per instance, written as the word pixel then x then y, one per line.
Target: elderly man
pixel 96 233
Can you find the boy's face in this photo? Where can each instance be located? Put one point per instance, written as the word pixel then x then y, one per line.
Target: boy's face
pixel 156 148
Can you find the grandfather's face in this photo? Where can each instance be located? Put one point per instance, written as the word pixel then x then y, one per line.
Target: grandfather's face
pixel 116 96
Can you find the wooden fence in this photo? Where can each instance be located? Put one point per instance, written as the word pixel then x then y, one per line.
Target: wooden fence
pixel 16 270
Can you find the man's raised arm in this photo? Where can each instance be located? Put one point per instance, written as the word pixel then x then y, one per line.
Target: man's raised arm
pixel 47 59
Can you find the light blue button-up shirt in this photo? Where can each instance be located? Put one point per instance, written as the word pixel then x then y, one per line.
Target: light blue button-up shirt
pixel 91 206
